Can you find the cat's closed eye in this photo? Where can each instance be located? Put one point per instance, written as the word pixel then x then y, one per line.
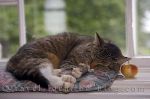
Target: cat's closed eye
pixel 115 59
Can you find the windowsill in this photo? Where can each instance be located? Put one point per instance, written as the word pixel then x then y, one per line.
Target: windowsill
pixel 133 88
pixel 3 62
pixel 144 57
pixel 38 95
pixel 140 85
pixel 137 88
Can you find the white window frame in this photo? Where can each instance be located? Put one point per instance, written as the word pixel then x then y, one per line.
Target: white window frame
pixel 21 20
pixel 131 40
pixel 141 61
pixel 22 26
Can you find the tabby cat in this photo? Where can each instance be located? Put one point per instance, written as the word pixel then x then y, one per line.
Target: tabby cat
pixel 40 60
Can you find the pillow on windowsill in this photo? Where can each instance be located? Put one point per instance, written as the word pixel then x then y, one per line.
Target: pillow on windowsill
pixel 98 80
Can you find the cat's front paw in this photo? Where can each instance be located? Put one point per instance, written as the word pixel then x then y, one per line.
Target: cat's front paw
pixel 67 87
pixel 69 82
pixel 81 69
pixel 76 72
pixel 84 67
pixel 68 78
pixel 56 82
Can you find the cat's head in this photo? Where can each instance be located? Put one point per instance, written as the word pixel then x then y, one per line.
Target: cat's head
pixel 107 54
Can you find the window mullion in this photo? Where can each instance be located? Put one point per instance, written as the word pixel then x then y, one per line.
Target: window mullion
pixel 131 28
pixel 22 31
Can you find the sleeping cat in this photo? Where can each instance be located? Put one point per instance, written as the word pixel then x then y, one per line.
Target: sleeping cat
pixel 40 60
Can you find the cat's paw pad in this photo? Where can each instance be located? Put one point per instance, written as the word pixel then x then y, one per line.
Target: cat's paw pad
pixel 68 78
pixel 84 67
pixel 67 87
pixel 76 72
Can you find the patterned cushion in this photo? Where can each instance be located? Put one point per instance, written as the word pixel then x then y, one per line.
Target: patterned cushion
pixel 92 81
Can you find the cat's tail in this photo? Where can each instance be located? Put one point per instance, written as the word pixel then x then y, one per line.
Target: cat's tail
pixel 32 75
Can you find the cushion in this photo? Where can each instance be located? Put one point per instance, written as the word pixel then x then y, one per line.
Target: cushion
pixel 91 81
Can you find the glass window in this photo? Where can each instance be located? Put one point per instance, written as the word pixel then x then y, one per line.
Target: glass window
pixel 107 17
pixel 47 17
pixel 9 32
pixel 143 27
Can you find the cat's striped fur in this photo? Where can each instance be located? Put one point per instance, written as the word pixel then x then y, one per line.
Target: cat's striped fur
pixel 35 60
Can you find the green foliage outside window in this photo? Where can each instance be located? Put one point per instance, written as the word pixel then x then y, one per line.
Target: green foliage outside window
pixel 102 16
pixel 106 17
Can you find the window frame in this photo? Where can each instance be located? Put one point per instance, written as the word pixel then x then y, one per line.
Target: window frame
pixel 131 40
pixel 130 18
pixel 21 20
pixel 22 24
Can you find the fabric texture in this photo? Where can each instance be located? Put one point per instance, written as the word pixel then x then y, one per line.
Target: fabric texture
pixel 91 81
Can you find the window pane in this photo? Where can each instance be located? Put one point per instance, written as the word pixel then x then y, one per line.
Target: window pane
pixel 143 27
pixel 106 17
pixel 8 30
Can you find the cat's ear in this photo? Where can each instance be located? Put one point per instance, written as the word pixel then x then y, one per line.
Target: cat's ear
pixel 98 40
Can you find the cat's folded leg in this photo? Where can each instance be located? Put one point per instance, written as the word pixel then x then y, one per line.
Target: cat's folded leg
pixel 69 83
pixel 65 81
pixel 76 72
pixel 80 70
pixel 68 78
pixel 65 77
pixel 57 72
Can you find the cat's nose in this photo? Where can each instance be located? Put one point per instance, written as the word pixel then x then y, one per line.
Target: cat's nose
pixel 128 58
pixel 124 59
